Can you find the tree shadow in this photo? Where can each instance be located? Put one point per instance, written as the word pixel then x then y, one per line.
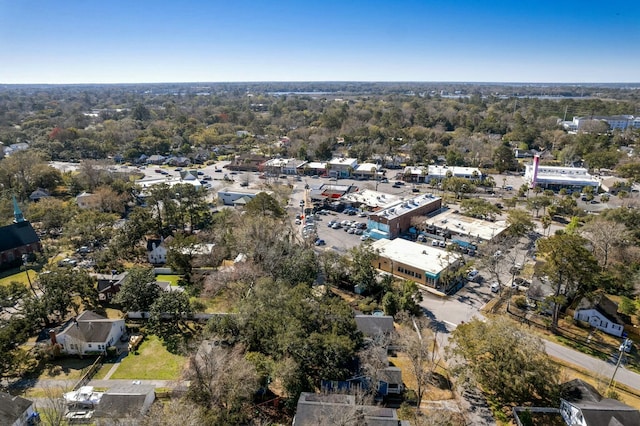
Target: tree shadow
pixel 435 324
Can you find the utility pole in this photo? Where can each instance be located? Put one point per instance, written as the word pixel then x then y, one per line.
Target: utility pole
pixel 620 355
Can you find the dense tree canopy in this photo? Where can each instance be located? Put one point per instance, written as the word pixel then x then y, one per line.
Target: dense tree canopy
pixel 508 362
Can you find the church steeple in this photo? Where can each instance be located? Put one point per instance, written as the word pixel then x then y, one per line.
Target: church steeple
pixel 17 213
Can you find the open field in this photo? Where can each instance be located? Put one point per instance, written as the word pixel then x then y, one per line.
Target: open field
pixel 152 362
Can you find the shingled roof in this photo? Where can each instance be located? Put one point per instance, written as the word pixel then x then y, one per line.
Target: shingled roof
pixel 89 327
pixel 17 235
pixel 12 408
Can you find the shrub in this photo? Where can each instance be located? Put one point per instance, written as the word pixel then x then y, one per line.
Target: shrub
pixel 521 302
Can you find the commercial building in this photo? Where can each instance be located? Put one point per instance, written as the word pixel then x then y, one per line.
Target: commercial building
pixel 615 122
pixel 370 200
pixel 463 228
pixel 368 170
pixel 396 219
pixel 286 166
pixel 441 172
pixel 231 198
pixel 425 265
pixel 556 178
pixel 342 167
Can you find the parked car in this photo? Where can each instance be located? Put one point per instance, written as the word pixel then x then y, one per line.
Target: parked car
pixel 336 226
pixel 320 242
pixel 495 287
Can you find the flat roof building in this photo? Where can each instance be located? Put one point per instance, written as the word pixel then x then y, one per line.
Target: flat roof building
pixel 342 167
pixel 556 178
pixel 441 172
pixel 425 265
pixel 368 199
pixel 396 219
pixel 473 229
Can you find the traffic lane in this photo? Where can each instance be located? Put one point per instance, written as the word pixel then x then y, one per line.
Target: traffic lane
pixel 603 368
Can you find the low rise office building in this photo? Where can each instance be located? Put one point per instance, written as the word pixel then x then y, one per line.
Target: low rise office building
pixel 425 265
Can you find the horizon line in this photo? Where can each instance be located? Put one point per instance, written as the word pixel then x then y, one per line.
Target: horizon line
pixel 557 83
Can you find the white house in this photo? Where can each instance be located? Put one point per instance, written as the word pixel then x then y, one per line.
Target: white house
pixel 156 251
pixel 582 405
pixel 599 320
pixel 88 333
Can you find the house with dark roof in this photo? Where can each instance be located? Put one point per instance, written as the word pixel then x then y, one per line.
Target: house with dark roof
pixel 89 333
pixel 582 405
pixel 126 402
pixel 109 284
pixel 16 411
pixel 390 381
pixel 331 409
pixel 374 325
pixel 38 194
pixel 17 240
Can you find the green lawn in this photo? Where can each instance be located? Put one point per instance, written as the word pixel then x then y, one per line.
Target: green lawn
pixel 20 277
pixel 153 362
pixel 173 279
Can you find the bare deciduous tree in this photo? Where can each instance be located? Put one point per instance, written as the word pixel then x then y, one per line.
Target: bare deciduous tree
pixel 605 235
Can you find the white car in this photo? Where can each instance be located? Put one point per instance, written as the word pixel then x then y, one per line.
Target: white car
pixel 495 287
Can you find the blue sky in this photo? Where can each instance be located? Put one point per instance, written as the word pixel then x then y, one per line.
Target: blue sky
pixel 86 41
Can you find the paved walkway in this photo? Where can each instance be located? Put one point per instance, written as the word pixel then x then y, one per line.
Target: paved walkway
pixel 115 366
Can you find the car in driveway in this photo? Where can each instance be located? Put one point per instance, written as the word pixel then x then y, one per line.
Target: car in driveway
pixel 495 287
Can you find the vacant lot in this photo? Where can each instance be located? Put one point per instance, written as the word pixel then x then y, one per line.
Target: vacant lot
pixel 153 362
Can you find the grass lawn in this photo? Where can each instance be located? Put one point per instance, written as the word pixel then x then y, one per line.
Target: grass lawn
pixel 66 368
pixel 152 362
pixel 20 277
pixel 173 279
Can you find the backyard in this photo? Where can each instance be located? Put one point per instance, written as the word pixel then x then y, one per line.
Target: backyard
pixel 152 362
